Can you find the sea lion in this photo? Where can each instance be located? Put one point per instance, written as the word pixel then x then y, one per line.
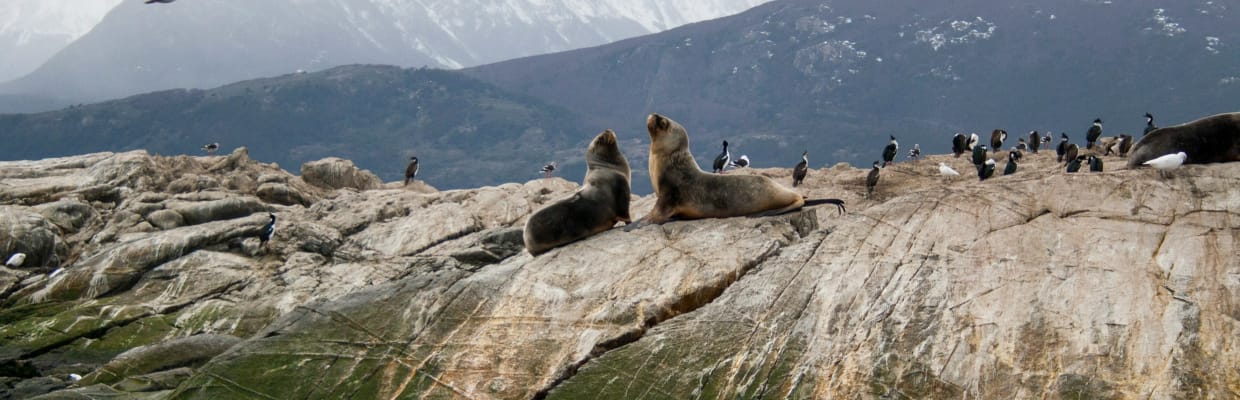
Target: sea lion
pixel 1207 140
pixel 602 200
pixel 684 191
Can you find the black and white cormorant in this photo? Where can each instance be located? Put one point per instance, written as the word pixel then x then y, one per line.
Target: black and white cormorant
pixel 1095 164
pixel 1021 145
pixel 411 171
pixel 1074 165
pixel 1035 142
pixel 1149 124
pixel 979 155
pixel 871 180
pixel 1125 145
pixel 959 144
pixel 1063 146
pixel 1010 168
pixel 996 139
pixel 802 168
pixel 986 170
pixel 889 152
pixel 1094 133
pixel 1071 152
pixel 268 230
pixel 722 159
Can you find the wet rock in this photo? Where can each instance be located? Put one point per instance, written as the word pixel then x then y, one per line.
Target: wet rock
pixel 182 352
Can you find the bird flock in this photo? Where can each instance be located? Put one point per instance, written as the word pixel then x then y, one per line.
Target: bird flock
pixel 1067 153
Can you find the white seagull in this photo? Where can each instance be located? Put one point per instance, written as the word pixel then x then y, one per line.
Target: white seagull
pixel 947 171
pixel 15 260
pixel 1167 162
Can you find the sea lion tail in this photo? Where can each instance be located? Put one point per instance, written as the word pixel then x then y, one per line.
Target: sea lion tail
pixel 838 203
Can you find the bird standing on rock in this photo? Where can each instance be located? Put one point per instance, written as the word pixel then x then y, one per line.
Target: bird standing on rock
pixel 1074 164
pixel 1010 168
pixel 871 180
pixel 411 171
pixel 996 139
pixel 1062 149
pixel 1072 151
pixel 945 170
pixel 721 160
pixel 979 155
pixel 1035 142
pixel 211 148
pixel 915 152
pixel 889 152
pixel 741 162
pixel 959 144
pixel 802 168
pixel 987 170
pixel 1167 162
pixel 1095 163
pixel 549 169
pixel 1094 133
pixel 1149 124
pixel 268 230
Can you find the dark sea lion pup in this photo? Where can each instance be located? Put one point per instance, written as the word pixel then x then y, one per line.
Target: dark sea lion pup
pixel 1208 140
pixel 684 191
pixel 602 201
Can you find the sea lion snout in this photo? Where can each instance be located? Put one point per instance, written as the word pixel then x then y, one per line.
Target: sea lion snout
pixel 608 137
pixel 656 123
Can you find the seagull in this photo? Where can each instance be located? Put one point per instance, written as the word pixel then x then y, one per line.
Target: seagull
pixel 915 152
pixel 76 377
pixel 15 260
pixel 210 148
pixel 549 169
pixel 946 170
pixel 740 162
pixel 1165 163
pixel 159 1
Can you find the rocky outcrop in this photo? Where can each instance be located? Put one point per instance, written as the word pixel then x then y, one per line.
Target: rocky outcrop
pixel 1039 284
pixel 337 173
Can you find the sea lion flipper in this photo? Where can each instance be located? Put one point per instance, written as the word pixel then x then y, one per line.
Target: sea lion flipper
pixel 837 202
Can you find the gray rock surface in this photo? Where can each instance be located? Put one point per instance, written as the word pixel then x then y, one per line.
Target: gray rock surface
pixel 1037 285
pixel 338 173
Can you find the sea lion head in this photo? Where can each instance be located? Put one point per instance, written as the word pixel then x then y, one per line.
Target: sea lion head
pixel 666 136
pixel 604 151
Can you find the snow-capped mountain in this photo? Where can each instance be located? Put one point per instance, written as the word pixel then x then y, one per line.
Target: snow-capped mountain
pixel 205 43
pixel 31 31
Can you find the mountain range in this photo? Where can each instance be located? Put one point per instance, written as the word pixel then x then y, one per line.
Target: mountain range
pixel 31 31
pixel 834 78
pixel 139 48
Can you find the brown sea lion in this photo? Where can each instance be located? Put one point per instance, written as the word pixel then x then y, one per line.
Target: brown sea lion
pixel 602 201
pixel 1208 140
pixel 684 191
